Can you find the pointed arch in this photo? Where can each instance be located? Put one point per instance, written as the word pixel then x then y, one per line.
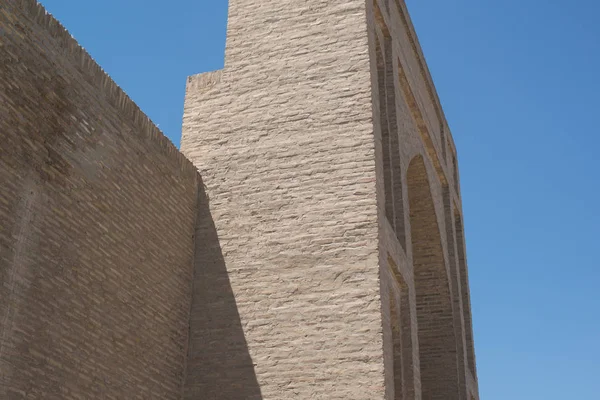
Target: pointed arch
pixel 437 340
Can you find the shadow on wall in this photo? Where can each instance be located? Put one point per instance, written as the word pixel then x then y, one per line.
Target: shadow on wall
pixel 219 365
pixel 435 319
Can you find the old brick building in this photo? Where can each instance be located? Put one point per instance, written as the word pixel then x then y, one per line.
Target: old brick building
pixel 306 243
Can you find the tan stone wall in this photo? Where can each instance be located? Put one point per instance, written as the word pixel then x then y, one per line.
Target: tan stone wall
pixel 422 257
pixel 317 102
pixel 326 250
pixel 97 212
pixel 289 122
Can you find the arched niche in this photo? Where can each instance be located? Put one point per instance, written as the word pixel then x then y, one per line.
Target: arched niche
pixel 436 335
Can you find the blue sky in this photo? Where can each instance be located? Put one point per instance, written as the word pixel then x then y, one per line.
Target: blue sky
pixel 519 83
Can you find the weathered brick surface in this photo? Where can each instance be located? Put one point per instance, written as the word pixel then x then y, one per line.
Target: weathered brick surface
pixel 97 214
pixel 322 253
pixel 430 271
pixel 337 214
pixel 289 122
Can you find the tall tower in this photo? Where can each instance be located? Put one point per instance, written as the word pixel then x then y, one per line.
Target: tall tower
pixel 332 263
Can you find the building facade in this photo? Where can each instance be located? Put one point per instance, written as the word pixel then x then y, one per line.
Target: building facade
pixel 337 191
pixel 306 243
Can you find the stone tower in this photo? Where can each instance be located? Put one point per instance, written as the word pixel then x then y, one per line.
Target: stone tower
pixel 332 262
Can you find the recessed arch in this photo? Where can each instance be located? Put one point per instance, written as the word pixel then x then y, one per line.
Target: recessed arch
pixel 435 320
pixel 400 322
pixel 390 140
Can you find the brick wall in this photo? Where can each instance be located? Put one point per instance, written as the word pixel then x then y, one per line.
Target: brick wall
pixel 97 212
pixel 426 310
pixel 323 258
pixel 334 207
pixel 289 122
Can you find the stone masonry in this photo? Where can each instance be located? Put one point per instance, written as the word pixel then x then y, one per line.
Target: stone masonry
pixel 97 215
pixel 337 206
pixel 313 247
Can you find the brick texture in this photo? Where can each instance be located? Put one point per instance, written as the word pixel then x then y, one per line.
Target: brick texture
pixel 321 255
pixel 289 122
pixel 97 214
pixel 337 207
pixel 421 244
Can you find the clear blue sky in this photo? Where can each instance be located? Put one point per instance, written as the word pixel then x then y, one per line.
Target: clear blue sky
pixel 519 84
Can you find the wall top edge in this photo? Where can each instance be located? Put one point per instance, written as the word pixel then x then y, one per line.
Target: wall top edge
pixel 109 89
